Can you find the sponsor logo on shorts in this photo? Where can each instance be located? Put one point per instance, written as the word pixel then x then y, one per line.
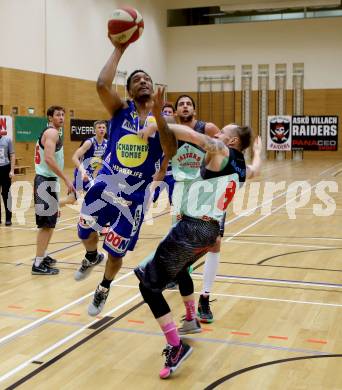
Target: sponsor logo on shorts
pixel 87 221
pixel 117 199
pixel 116 242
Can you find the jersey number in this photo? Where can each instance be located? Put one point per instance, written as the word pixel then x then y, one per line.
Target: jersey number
pixel 227 197
pixel 37 155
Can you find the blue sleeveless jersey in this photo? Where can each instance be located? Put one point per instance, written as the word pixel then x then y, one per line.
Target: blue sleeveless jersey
pixel 129 159
pixel 93 156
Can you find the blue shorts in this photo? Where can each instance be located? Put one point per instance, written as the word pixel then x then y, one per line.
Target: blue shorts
pixel 101 207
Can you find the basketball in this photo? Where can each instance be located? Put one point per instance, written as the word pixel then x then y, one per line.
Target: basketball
pixel 126 25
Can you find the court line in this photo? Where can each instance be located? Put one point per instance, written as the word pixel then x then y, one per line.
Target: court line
pixel 67 338
pixel 221 381
pixel 43 319
pixel 277 281
pixel 64 340
pixel 248 297
pixel 227 342
pixel 80 324
pixel 247 212
pixel 326 170
pixel 270 213
pixel 262 262
pixel 282 236
pixel 281 244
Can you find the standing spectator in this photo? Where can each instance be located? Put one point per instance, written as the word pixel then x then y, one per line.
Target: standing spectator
pixel 7 161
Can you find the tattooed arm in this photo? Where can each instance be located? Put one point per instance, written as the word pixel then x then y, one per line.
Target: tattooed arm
pixel 213 145
pixel 210 145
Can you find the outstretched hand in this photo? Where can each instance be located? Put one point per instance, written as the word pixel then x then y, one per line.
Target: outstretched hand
pixel 158 100
pixel 257 145
pixel 118 46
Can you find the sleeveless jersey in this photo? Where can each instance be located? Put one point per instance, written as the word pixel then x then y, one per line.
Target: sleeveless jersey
pixel 40 165
pixel 201 193
pixel 93 156
pixel 128 158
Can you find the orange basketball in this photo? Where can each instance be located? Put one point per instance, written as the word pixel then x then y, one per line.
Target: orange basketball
pixel 126 25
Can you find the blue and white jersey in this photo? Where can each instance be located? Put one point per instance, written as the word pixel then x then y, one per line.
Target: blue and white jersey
pixel 95 154
pixel 129 159
pixel 92 158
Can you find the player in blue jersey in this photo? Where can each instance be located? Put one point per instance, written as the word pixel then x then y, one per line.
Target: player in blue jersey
pixel 88 161
pixel 121 188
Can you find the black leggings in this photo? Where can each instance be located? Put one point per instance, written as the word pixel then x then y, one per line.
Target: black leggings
pixel 156 300
pixel 5 184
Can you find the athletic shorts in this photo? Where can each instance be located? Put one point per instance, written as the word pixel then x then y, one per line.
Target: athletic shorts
pixel 187 241
pixel 46 201
pixel 101 207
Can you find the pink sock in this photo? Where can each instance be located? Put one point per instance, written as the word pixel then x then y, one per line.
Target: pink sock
pixel 171 334
pixel 190 310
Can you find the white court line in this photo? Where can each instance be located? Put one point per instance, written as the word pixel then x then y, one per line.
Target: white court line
pixel 298 237
pixel 275 281
pixel 251 297
pixel 40 320
pixel 247 212
pixel 66 227
pixel 64 340
pixel 278 300
pixel 61 342
pixel 281 244
pixel 267 215
pixel 326 170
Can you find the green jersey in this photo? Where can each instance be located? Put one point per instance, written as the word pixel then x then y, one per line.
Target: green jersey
pixel 194 196
pixel 41 167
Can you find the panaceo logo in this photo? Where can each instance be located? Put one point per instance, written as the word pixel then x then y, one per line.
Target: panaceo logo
pixel 131 150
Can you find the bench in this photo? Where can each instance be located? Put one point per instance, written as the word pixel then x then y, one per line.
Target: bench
pixel 21 169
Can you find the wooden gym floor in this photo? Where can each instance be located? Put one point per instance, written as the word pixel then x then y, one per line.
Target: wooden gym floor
pixel 278 302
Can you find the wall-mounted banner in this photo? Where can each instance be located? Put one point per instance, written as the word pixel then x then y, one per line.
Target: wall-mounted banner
pixel 81 129
pixel 28 128
pixel 6 126
pixel 315 133
pixel 279 132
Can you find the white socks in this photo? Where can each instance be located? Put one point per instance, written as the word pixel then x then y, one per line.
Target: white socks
pixel 210 269
pixel 38 261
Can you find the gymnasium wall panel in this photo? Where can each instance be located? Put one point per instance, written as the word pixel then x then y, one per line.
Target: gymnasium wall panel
pixel 314 42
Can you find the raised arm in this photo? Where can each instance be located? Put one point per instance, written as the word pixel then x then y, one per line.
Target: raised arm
pixel 168 140
pixel 108 95
pixel 210 145
pixel 254 168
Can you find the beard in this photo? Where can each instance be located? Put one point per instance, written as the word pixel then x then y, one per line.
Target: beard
pixel 186 118
pixel 143 98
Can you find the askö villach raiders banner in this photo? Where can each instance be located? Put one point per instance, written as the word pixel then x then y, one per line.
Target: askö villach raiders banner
pixel 300 132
